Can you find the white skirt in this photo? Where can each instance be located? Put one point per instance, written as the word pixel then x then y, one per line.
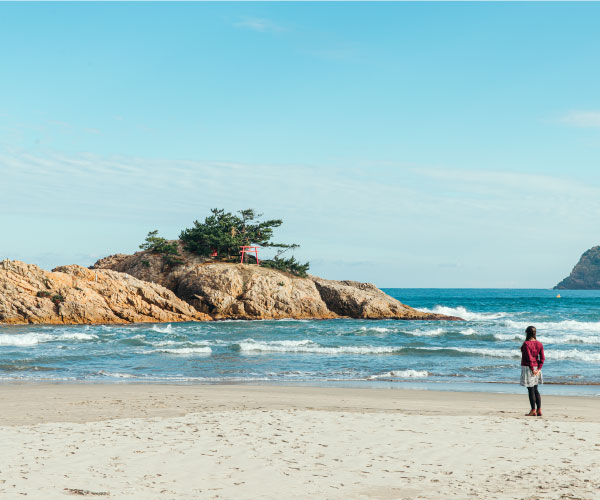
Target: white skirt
pixel 528 379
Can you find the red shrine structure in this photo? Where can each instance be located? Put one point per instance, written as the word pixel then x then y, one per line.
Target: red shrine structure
pixel 248 249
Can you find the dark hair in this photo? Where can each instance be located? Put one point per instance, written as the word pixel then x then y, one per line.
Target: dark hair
pixel 530 331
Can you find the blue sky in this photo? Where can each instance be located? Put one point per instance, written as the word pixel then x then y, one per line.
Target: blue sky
pixel 429 144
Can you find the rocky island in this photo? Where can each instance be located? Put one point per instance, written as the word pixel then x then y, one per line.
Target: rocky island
pixel 239 291
pixel 122 289
pixel 196 278
pixel 586 273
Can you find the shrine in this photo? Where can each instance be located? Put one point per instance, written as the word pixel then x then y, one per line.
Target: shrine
pixel 248 249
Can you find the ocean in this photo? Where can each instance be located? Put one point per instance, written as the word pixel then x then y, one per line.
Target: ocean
pixel 481 353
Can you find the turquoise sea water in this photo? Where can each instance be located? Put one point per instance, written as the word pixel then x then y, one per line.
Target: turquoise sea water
pixel 482 352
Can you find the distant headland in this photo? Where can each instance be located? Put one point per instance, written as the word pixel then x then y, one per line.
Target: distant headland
pixel 586 273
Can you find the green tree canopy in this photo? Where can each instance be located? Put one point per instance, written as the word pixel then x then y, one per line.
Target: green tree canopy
pixel 226 233
pixel 290 265
pixel 167 249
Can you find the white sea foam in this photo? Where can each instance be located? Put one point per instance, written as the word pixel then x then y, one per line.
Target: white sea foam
pixel 461 312
pixel 77 336
pixel 307 346
pixel 31 339
pixel 468 331
pixel 166 342
pixel 569 339
pixel 566 325
pixel 574 354
pixel 25 339
pixel 162 329
pixel 186 350
pixel 176 378
pixel 378 329
pixel 483 351
pixel 509 336
pixel 426 333
pixel 401 374
pixel 116 374
pixel 280 343
pixel 551 339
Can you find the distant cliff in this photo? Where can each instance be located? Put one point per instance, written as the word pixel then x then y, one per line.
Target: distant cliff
pixel 586 273
pixel 247 291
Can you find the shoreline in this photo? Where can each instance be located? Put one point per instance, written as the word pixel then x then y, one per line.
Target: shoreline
pixel 587 390
pixel 39 401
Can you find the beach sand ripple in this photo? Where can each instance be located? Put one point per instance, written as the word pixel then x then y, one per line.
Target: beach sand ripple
pixel 292 442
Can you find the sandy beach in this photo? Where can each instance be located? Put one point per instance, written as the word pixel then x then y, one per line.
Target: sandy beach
pixel 235 441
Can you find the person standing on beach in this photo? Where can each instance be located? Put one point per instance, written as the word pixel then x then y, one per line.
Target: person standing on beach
pixel 532 359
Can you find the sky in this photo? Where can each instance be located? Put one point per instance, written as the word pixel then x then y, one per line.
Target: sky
pixel 403 144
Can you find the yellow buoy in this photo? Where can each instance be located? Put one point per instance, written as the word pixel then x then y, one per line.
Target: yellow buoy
pixel 558 296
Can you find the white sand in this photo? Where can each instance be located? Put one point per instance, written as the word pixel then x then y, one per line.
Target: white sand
pixel 241 442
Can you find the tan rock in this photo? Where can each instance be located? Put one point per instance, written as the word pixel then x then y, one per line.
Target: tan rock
pixel 236 291
pixel 74 295
pixel 366 301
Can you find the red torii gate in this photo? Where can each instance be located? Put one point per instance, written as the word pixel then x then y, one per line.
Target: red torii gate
pixel 248 249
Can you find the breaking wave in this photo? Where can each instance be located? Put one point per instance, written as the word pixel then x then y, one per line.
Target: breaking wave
pixel 378 329
pixel 549 339
pixel 401 374
pixel 574 354
pixel 566 325
pixel 310 347
pixel 185 350
pixel 426 333
pixel 31 339
pixel 162 329
pixel 461 312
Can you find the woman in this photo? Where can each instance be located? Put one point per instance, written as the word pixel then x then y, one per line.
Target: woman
pixel 532 359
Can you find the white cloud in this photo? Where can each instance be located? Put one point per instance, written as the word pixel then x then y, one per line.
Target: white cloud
pixel 259 24
pixel 582 118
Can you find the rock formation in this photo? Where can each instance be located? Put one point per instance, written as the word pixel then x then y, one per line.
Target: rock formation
pixel 365 301
pixel 75 295
pixel 236 291
pixel 586 273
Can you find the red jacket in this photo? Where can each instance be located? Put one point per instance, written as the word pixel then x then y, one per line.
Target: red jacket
pixel 532 354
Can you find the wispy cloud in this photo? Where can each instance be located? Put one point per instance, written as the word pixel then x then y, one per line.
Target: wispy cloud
pixel 510 192
pixel 486 180
pixel 582 118
pixel 259 24
pixel 401 224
